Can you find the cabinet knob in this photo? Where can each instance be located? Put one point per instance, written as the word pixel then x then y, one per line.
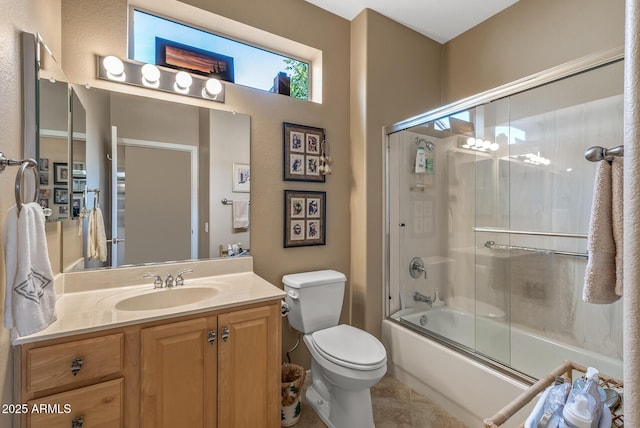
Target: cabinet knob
pixel 211 337
pixel 77 422
pixel 225 333
pixel 76 365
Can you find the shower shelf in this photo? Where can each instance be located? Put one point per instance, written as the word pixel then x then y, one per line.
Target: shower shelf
pixel 566 369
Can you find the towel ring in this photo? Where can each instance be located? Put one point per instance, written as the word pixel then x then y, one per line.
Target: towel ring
pixel 26 163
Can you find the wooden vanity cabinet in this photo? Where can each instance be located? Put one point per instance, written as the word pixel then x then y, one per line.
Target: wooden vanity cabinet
pixel 217 369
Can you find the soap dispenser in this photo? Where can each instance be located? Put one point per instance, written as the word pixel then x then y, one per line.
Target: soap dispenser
pixel 578 412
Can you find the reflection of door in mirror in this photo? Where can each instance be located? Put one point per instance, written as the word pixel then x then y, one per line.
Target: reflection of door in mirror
pixel 53 150
pixel 156 202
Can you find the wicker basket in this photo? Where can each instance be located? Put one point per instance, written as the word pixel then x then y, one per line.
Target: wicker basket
pixel 566 369
pixel 291 387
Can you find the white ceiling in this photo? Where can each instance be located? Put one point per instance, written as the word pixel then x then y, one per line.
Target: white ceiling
pixel 440 20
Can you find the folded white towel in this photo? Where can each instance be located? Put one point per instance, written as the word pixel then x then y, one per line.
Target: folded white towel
pixel 96 236
pixel 600 275
pixel 30 302
pixel 240 214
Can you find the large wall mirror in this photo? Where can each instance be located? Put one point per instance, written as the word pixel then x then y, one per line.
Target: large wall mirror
pixel 162 174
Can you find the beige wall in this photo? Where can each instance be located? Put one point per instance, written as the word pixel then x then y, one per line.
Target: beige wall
pixel 16 16
pixel 395 74
pixel 528 37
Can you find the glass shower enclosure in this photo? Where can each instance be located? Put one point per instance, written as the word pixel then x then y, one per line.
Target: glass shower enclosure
pixel 488 209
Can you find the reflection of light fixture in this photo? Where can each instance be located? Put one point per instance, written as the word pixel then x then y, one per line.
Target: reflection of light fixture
pixel 479 144
pixel 115 68
pixel 183 82
pixel 212 88
pixel 165 79
pixel 150 76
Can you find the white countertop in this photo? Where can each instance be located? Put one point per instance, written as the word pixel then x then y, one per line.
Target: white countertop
pixel 88 311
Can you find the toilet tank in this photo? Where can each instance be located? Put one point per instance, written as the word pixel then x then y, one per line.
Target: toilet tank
pixel 314 299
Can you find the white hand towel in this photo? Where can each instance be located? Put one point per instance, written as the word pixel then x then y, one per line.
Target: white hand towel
pixel 600 275
pixel 96 236
pixel 30 302
pixel 240 214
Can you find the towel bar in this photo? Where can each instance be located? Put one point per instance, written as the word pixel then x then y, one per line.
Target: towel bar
pixel 597 153
pixel 493 246
pixel 23 164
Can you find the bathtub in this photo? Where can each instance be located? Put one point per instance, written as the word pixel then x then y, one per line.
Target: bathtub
pixel 462 385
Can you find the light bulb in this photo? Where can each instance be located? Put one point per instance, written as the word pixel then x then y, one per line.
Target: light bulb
pixel 486 144
pixel 150 75
pixel 471 141
pixel 212 88
pixel 183 82
pixel 114 67
pixel 494 147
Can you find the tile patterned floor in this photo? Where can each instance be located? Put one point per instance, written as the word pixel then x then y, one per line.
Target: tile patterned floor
pixel 395 405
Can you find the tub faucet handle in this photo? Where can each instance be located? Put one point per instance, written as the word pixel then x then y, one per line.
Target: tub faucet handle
pixel 180 277
pixel 416 268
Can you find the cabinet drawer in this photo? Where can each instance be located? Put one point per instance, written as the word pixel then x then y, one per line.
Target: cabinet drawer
pixel 55 365
pixel 99 405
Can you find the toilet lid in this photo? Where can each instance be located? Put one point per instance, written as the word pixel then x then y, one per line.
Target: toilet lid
pixel 345 344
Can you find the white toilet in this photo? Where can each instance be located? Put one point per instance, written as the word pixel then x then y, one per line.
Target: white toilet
pixel 346 361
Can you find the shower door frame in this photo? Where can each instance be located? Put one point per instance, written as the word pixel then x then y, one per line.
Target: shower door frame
pixel 554 74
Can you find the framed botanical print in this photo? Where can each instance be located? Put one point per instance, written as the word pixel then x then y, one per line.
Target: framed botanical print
pixel 60 173
pixel 304 218
pixel 301 155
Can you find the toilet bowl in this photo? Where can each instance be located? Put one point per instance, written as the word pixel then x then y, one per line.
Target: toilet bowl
pixel 345 361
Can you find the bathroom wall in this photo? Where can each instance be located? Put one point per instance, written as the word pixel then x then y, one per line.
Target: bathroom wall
pixel 530 36
pixel 395 74
pixel 17 16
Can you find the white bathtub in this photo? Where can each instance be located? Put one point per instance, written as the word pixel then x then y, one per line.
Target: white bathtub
pixel 466 388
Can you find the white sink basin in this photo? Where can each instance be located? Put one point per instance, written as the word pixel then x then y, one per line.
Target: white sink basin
pixel 166 298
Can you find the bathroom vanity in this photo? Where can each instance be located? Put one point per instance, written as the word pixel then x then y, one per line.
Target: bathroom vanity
pixel 212 363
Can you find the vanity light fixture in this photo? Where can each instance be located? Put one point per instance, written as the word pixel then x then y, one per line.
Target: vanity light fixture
pixel 115 68
pixel 150 76
pixel 183 82
pixel 161 78
pixel 212 89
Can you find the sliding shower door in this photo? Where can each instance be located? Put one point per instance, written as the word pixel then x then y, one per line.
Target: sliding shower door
pixel 488 213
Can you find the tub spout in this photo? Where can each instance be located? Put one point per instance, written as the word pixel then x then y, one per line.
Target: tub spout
pixel 419 297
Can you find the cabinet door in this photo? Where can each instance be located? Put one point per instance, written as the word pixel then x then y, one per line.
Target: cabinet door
pixel 249 368
pixel 178 375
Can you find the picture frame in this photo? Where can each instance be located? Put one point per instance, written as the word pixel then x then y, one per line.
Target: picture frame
pixel 44 178
pixel 304 218
pixel 79 184
pixel 44 164
pixel 60 173
pixel 194 60
pixel 301 153
pixel 60 195
pixel 241 178
pixel 79 170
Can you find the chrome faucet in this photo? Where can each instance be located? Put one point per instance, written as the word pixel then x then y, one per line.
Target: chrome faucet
pixel 180 278
pixel 158 280
pixel 168 283
pixel 419 297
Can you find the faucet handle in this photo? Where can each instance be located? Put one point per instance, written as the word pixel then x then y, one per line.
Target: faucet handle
pixel 158 280
pixel 180 278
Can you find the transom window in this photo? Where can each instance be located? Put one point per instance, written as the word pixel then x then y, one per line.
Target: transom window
pixel 251 66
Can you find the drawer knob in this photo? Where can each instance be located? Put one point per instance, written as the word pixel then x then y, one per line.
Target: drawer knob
pixel 225 333
pixel 76 365
pixel 211 337
pixel 77 422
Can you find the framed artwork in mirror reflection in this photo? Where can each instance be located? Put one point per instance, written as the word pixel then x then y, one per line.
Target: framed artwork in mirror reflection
pixel 301 154
pixel 304 218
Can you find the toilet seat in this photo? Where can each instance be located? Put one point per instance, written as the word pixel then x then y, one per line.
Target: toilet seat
pixel 350 347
